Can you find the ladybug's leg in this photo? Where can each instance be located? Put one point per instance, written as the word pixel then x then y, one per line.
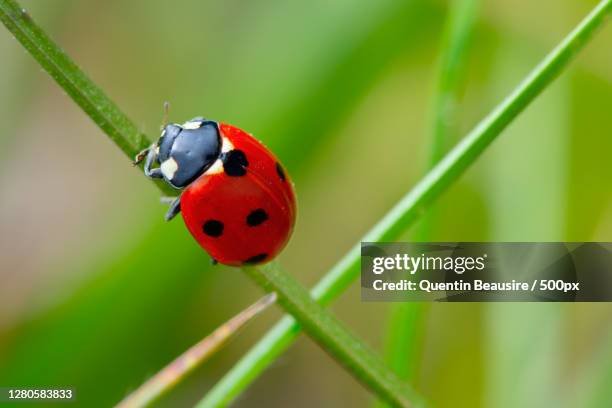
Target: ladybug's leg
pixel 151 157
pixel 166 200
pixel 175 208
pixel 150 153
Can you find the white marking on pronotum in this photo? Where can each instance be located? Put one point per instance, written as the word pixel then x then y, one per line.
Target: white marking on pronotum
pixel 169 168
pixel 196 124
pixel 217 166
pixel 226 145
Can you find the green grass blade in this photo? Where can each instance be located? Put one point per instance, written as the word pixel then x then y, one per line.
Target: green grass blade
pixel 412 205
pixel 523 369
pixel 458 30
pixel 402 345
pixel 78 86
pixel 405 320
pixel 94 102
pixel 334 338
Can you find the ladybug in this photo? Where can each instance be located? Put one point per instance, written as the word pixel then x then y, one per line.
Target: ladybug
pixel 236 199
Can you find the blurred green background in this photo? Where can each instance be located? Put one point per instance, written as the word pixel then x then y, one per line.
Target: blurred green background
pixel 98 293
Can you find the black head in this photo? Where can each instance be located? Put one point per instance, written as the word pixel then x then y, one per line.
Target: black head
pixel 187 151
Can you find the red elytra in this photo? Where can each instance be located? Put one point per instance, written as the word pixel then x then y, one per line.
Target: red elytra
pixel 244 219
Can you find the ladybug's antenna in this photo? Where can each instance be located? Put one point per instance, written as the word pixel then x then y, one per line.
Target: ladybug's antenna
pixel 166 110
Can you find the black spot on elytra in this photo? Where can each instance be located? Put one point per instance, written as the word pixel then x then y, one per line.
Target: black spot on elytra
pixel 213 228
pixel 235 163
pixel 256 217
pixel 256 259
pixel 280 171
